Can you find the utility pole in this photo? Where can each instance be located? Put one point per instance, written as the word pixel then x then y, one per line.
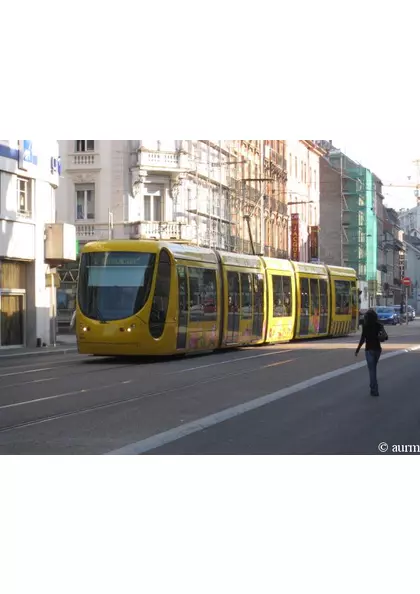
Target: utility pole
pixel 110 224
pixel 262 186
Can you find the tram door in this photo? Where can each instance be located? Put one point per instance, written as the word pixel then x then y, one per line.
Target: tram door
pixel 315 316
pixel 232 336
pixel 324 311
pixel 181 342
pixel 258 322
pixel 246 308
pixel 304 307
pixel 354 306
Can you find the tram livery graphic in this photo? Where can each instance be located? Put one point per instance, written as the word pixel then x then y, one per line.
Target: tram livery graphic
pixel 162 298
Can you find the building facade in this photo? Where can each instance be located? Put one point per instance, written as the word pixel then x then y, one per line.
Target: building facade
pixel 412 269
pixel 351 206
pixel 303 198
pixel 410 221
pixel 200 191
pixel 391 244
pixel 31 245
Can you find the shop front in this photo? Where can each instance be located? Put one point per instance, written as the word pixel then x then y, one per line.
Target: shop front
pixel 13 288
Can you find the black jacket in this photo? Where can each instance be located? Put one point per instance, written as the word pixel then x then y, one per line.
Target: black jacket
pixel 370 337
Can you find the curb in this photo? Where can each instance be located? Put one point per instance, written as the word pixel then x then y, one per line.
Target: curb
pixel 57 351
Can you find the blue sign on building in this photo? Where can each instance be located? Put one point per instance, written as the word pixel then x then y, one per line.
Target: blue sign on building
pixel 56 165
pixel 26 154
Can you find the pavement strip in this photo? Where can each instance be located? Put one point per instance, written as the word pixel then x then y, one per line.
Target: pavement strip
pixel 161 439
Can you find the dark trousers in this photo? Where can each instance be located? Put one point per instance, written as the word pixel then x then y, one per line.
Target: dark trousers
pixel 372 358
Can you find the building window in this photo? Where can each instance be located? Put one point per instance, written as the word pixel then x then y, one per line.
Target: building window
pixel 85 202
pixel 296 168
pixel 315 179
pixel 84 146
pixel 24 196
pixel 153 207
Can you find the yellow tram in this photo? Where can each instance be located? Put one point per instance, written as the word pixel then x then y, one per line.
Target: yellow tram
pixel 158 298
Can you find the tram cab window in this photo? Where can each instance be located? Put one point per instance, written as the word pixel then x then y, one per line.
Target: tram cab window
pixel 160 302
pixel 282 296
pixel 342 297
pixel 203 295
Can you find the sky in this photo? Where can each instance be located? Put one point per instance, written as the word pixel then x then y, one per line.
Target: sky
pixel 392 161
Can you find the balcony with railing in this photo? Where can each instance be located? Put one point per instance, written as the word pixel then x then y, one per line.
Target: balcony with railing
pixel 159 160
pixel 83 161
pixel 169 230
pixel 86 231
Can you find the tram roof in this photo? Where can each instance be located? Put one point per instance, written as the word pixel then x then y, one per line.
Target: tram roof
pixel 306 268
pixel 122 245
pixel 340 271
pixel 277 264
pixel 179 251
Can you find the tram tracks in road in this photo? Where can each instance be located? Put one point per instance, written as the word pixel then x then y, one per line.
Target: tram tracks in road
pixel 77 368
pixel 116 402
pixel 90 366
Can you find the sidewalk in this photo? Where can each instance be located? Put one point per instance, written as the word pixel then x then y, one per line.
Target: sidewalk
pixel 66 343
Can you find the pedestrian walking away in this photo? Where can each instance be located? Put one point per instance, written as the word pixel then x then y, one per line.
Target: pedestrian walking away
pixel 373 335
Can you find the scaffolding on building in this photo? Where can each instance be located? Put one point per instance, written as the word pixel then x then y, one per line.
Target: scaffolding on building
pixel 211 210
pixel 353 211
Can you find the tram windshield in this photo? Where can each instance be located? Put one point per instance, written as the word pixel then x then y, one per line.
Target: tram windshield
pixel 114 285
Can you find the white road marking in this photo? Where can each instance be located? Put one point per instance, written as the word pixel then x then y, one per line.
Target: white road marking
pixel 157 441
pixel 271 354
pixel 26 372
pixel 56 396
pixel 39 381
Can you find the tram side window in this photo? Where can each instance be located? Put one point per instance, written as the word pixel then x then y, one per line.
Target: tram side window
pixel 342 297
pixel 246 294
pixel 233 291
pixel 203 295
pixel 182 290
pixel 304 296
pixel 323 289
pixel 282 296
pixel 354 296
pixel 314 297
pixel 161 297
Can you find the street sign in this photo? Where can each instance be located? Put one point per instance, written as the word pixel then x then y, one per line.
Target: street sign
pixel 407 282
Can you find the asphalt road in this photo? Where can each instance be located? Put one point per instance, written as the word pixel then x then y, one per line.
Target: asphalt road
pixel 285 399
